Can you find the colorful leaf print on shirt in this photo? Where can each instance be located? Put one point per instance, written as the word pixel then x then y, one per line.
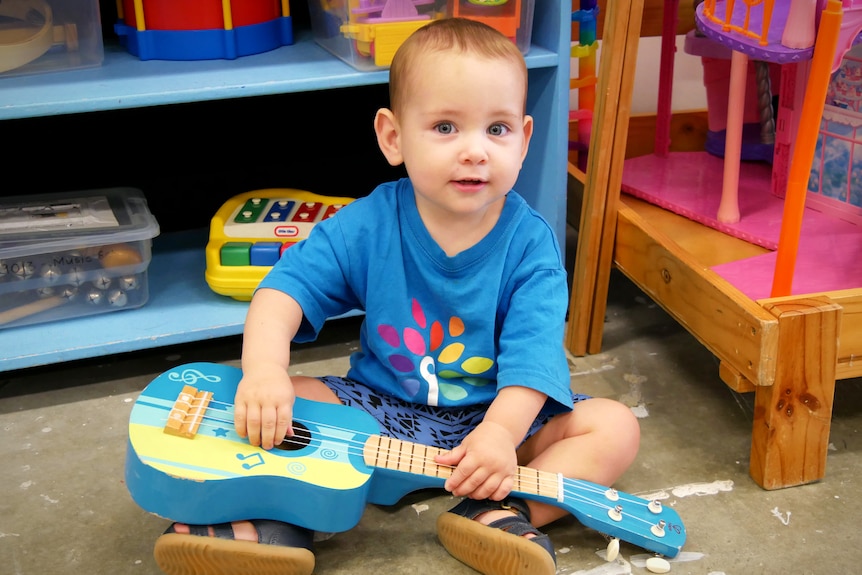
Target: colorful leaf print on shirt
pixel 414 350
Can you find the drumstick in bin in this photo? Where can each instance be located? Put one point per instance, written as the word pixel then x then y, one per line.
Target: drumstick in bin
pixel 114 256
pixel 31 308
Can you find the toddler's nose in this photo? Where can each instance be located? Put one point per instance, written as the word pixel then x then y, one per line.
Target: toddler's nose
pixel 474 149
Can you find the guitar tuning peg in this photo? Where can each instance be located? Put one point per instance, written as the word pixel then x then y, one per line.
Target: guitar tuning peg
pixel 612 494
pixel 654 506
pixel 613 550
pixel 616 513
pixel 657 565
pixel 658 528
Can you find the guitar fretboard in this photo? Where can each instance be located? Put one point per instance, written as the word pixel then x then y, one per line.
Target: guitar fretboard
pixel 396 455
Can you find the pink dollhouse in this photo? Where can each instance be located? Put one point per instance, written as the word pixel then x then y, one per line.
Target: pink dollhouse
pixel 759 201
pixel 788 349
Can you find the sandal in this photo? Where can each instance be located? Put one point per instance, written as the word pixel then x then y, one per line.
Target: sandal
pixel 281 549
pixel 500 547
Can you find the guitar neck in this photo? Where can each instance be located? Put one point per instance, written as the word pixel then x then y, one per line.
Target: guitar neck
pixel 615 513
pixel 416 459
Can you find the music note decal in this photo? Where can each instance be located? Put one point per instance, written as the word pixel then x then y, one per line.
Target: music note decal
pixel 257 457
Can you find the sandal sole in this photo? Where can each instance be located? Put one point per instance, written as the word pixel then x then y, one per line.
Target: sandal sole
pixel 183 554
pixel 491 551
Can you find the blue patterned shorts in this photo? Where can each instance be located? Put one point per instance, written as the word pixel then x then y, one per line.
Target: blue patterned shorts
pixel 443 427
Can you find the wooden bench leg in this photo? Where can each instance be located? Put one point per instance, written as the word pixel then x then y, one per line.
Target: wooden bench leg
pixel 594 254
pixel 792 417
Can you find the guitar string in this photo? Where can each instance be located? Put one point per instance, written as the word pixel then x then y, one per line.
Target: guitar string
pixel 545 481
pixel 357 448
pixel 360 445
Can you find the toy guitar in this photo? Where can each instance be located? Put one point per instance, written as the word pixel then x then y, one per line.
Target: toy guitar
pixel 185 462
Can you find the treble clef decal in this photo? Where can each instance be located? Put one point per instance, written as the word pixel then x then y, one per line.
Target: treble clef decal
pixel 192 376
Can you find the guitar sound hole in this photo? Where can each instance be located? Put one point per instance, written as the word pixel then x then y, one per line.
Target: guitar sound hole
pixel 301 438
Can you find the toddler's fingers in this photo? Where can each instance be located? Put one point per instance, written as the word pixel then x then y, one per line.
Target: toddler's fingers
pixel 253 426
pixel 269 428
pixel 239 419
pixel 283 427
pixel 503 490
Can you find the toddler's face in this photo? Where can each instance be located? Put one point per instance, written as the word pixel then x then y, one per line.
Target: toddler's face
pixel 463 131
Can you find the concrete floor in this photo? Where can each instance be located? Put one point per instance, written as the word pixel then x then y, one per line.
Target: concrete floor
pixel 65 508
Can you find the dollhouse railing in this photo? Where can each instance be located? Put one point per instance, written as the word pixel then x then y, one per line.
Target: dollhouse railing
pixel 745 28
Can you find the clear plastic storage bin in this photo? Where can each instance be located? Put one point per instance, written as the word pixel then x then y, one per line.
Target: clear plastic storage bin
pixel 39 36
pixel 366 33
pixel 73 254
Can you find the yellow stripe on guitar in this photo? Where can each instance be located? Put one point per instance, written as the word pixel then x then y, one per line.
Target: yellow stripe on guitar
pixel 211 458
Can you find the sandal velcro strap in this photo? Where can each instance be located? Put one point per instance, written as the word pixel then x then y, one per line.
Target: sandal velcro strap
pixel 223 530
pixel 268 532
pixel 285 534
pixel 515 525
pixel 202 531
pixel 472 508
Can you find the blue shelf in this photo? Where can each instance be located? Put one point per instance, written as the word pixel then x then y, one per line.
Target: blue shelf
pixel 181 306
pixel 181 309
pixel 124 81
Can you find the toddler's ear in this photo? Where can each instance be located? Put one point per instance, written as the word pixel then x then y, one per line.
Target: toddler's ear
pixel 528 134
pixel 388 137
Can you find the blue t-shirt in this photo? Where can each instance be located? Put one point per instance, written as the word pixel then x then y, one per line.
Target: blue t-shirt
pixel 438 330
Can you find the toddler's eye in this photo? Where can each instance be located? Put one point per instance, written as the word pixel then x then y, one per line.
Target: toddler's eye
pixel 498 130
pixel 445 128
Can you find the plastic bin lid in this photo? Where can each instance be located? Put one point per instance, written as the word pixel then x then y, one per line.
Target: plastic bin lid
pixel 42 223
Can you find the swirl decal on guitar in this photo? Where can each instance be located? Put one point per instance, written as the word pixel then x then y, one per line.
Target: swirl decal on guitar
pixel 328 453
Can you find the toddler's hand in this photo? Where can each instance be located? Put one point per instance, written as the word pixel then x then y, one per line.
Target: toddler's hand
pixel 263 407
pixel 485 464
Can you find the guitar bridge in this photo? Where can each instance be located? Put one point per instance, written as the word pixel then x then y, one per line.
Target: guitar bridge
pixel 187 412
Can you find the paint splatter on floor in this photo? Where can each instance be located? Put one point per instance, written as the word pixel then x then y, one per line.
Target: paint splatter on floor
pixel 690 489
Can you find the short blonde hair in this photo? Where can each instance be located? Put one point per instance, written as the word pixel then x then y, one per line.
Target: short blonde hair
pixel 455 34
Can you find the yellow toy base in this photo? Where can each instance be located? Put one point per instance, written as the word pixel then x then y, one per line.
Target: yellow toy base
pixel 250 231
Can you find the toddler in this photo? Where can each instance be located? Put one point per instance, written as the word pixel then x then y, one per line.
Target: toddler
pixel 464 295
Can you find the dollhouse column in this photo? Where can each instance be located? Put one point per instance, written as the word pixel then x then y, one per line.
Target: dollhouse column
pixel 728 209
